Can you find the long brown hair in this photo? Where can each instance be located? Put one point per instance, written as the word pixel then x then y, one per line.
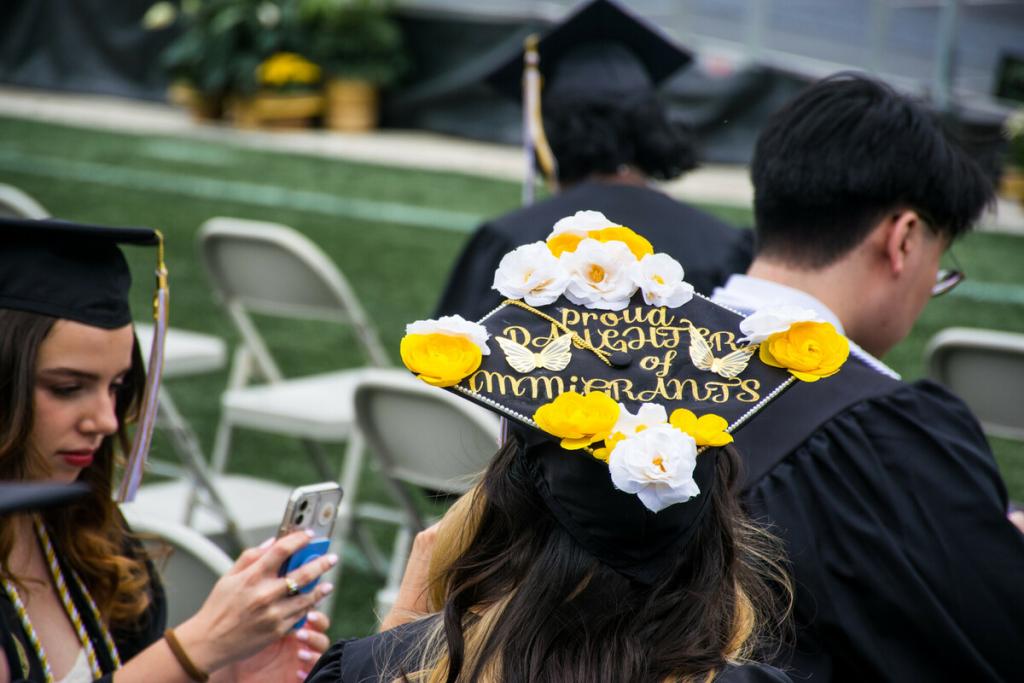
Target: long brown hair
pixel 89 534
pixel 521 600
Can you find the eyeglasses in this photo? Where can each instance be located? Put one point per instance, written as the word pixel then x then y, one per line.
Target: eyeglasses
pixel 948 278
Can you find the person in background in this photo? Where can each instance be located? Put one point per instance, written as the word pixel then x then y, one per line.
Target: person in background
pixel 886 494
pixel 611 137
pixel 79 599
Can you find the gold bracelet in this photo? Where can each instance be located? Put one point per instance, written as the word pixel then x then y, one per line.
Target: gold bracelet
pixel 186 664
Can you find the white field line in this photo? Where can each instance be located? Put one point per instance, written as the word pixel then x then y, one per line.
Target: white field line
pixel 273 196
pixel 256 194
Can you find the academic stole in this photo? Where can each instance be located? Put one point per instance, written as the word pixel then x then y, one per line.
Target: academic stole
pixel 70 609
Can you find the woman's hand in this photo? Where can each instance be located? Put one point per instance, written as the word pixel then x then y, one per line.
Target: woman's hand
pixel 250 608
pixel 289 658
pixel 411 601
pixel 1017 518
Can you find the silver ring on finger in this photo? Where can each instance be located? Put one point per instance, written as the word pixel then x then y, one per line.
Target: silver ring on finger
pixel 293 587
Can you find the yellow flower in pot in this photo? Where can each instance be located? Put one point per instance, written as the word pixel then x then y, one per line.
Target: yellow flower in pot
pixel 288 95
pixel 288 69
pixel 360 46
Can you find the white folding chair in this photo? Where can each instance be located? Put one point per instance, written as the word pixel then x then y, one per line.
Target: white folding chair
pixel 186 354
pixel 190 569
pixel 986 369
pixel 16 204
pixel 420 436
pixel 272 270
pixel 235 511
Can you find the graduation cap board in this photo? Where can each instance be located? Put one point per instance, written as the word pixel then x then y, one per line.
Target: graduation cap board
pixel 600 52
pixel 26 496
pixel 77 272
pixel 610 366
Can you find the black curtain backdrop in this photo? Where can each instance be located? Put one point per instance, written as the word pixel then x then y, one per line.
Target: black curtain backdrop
pixel 100 46
pixel 89 46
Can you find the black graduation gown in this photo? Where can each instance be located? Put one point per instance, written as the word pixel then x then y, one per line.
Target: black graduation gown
pixel 709 250
pixel 380 658
pixel 130 641
pixel 894 517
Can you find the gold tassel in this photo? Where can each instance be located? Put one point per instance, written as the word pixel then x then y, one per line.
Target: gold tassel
pixel 150 398
pixel 534 139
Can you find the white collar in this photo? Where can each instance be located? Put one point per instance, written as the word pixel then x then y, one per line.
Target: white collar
pixel 747 294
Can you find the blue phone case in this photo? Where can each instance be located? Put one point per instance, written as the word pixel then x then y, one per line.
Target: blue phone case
pixel 316 548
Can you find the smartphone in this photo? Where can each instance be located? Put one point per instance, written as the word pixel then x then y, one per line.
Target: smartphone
pixel 313 507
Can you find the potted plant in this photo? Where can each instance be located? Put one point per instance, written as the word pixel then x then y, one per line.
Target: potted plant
pixel 220 44
pixel 1013 172
pixel 221 48
pixel 359 45
pixel 181 58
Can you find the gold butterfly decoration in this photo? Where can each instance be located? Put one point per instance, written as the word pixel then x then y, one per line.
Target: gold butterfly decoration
pixel 727 366
pixel 554 356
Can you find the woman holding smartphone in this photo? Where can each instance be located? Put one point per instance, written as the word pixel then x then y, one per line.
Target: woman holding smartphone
pixel 79 600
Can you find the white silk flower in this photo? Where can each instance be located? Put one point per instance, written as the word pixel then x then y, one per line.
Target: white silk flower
pixel 657 465
pixel 762 324
pixel 455 326
pixel 581 223
pixel 660 279
pixel 531 273
pixel 647 415
pixel 600 275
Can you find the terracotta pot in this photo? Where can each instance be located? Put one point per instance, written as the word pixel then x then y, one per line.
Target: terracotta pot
pixel 267 109
pixel 1011 185
pixel 352 105
pixel 202 107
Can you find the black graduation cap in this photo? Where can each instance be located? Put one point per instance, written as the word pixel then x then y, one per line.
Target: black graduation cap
pixel 607 364
pixel 600 50
pixel 25 496
pixel 640 354
pixel 68 270
pixel 77 272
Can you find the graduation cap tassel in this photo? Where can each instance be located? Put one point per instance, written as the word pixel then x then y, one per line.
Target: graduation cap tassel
pixel 503 430
pixel 150 399
pixel 534 139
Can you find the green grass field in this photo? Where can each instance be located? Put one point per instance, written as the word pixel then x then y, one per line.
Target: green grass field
pixel 395 234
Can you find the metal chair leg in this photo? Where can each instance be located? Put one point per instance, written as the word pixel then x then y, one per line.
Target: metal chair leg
pixel 203 492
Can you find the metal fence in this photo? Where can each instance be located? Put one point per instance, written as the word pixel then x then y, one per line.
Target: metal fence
pixel 949 50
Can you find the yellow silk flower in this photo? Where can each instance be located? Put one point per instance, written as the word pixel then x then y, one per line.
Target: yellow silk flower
pixel 809 350
pixel 566 241
pixel 637 244
pixel 605 451
pixel 440 359
pixel 577 419
pixel 706 430
pixel 563 242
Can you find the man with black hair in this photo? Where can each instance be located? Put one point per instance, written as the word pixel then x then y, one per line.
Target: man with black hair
pixel 610 136
pixel 885 493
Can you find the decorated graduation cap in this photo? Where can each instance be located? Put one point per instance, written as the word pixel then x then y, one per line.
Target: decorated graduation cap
pixel 620 381
pixel 22 496
pixel 78 272
pixel 601 52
